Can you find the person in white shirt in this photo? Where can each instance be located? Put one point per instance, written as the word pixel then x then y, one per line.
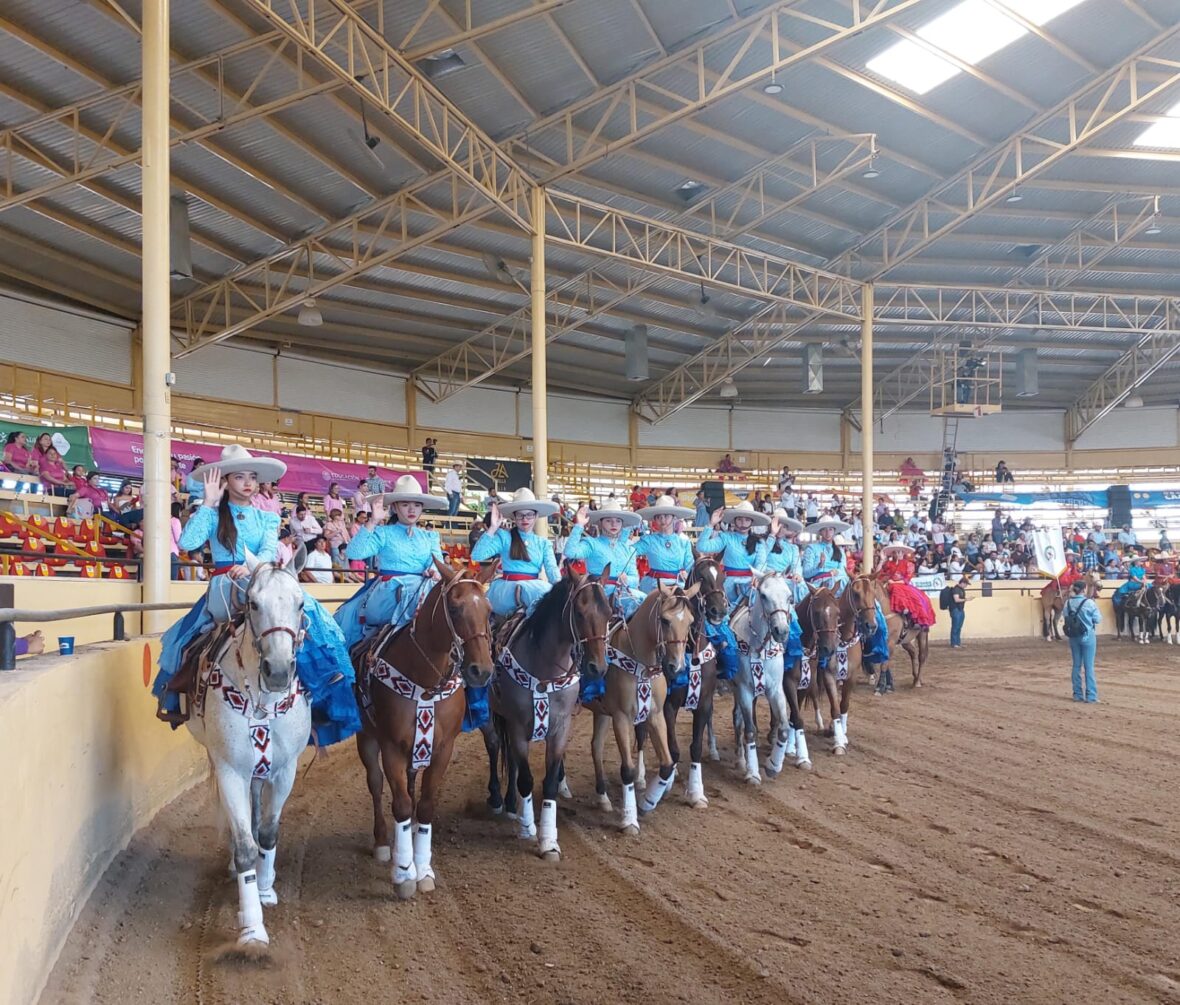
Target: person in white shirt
pixel 305 527
pixel 789 502
pixel 318 567
pixel 453 486
pixel 812 509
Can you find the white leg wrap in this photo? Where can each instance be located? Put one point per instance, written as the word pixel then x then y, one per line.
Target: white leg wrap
pixel 774 763
pixel 422 868
pixel 752 772
pixel 791 731
pixel 630 812
pixel 547 830
pixel 528 826
pixel 403 852
pixel 844 726
pixel 656 789
pixel 801 756
pixel 839 740
pixel 694 788
pixel 266 877
pixel 250 910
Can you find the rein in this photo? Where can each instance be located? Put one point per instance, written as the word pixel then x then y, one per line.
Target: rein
pixel 458 642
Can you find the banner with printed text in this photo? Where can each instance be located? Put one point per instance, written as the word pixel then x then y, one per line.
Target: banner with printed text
pixel 72 442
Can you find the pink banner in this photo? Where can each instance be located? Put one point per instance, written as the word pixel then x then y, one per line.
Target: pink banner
pixel 119 453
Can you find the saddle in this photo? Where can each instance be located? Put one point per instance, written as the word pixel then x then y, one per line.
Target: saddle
pixel 503 632
pixel 363 651
pixel 199 655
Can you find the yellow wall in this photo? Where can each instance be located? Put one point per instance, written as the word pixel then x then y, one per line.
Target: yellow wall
pixel 86 764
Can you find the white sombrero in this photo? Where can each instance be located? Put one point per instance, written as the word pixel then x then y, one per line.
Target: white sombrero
pixel 897 546
pixel 612 509
pixel 666 506
pixel 796 526
pixel 747 510
pixel 235 457
pixel 407 489
pixel 524 499
pixel 839 526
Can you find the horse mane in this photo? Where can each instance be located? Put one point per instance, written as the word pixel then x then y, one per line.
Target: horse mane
pixel 549 609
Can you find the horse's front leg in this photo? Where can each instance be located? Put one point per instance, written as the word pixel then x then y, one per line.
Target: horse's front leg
pixel 661 782
pixel 370 754
pixel 555 747
pixel 923 655
pixel 796 737
pixel 832 690
pixel 396 762
pixel 776 697
pixel 236 802
pixel 624 730
pixel 746 739
pixel 447 728
pixel 272 798
pixel 518 748
pixel 597 753
pixel 672 705
pixel 694 789
pixel 491 744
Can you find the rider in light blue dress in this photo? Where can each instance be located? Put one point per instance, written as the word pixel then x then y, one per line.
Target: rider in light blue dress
pixel 737 546
pixel 669 555
pixel 823 560
pixel 1136 577
pixel 778 552
pixel 405 556
pixel 523 555
pixel 612 547
pixel 238 534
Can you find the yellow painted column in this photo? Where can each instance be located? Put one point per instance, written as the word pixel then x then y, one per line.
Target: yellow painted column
pixel 155 327
pixel 866 423
pixel 540 388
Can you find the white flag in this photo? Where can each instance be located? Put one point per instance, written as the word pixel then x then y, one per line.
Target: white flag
pixel 1050 552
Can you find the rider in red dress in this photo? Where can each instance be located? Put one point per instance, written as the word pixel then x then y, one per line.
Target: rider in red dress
pixel 896 571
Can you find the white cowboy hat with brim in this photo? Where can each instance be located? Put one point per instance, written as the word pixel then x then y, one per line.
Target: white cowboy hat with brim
pixel 1165 555
pixel 235 458
pixel 839 526
pixel 789 522
pixel 842 541
pixel 523 499
pixel 747 510
pixel 666 506
pixel 613 509
pixel 897 546
pixel 407 489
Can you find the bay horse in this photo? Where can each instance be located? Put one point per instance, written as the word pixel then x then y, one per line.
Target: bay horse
pixel 903 633
pixel 1053 599
pixel 710 605
pixel 763 628
pixel 254 720
pixel 535 692
pixel 643 654
pixel 410 722
pixel 1170 614
pixel 1138 613
pixel 823 646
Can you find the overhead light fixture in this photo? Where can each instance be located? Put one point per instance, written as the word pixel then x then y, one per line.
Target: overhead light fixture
pixel 441 63
pixel 498 269
pixel 768 361
pixel 309 314
pixel 772 86
pixel 729 389
pixel 1154 228
pixel 1015 196
pixel 707 307
pixel 689 190
pixel 873 170
pixel 1133 402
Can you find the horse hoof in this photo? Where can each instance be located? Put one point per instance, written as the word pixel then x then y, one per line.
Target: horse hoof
pixel 255 935
pixel 510 816
pixel 406 889
pixel 563 791
pixel 382 854
pixel 496 810
pixel 426 885
pixel 552 855
pixel 839 751
pixel 268 898
pixel 770 772
pixel 714 755
pixel 803 765
pixel 700 803
pixel 753 780
pixel 604 804
pixel 630 830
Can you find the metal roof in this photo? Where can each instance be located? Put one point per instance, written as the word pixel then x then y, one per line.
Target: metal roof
pixel 256 185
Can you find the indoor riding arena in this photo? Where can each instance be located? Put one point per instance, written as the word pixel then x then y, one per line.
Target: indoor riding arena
pixel 589 501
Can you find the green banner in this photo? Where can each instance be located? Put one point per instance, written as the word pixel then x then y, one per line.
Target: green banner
pixel 72 442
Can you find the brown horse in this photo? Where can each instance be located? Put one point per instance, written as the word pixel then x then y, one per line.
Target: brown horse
pixel 1053 598
pixel 536 690
pixel 913 638
pixel 710 605
pixel 412 720
pixel 828 655
pixel 643 653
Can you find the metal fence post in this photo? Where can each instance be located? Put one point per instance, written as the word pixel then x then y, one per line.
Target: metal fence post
pixel 120 628
pixel 7 646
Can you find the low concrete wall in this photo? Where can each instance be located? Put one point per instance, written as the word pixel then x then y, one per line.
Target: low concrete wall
pixel 1012 611
pixel 86 764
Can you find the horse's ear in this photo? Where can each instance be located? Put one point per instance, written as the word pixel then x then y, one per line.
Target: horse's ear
pixel 486 572
pixel 298 560
pixel 605 577
pixel 251 561
pixel 696 555
pixel 692 591
pixel 812 587
pixel 445 570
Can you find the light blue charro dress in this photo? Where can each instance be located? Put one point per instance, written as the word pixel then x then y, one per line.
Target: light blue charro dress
pixel 786 560
pixel 738 562
pixel 669 559
pixel 517 578
pixel 404 556
pixel 322 663
pixel 598 553
pixel 821 569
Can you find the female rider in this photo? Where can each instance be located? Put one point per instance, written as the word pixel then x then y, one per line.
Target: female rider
pixel 669 556
pixel 738 546
pixel 1136 578
pixel 778 552
pixel 823 560
pixel 405 559
pixel 239 535
pixel 611 548
pixel 522 554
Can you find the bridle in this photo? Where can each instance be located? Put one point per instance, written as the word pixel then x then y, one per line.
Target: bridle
pixel 711 586
pixel 787 612
pixel 657 623
pixel 816 631
pixel 458 642
pixel 569 615
pixel 865 616
pixel 256 637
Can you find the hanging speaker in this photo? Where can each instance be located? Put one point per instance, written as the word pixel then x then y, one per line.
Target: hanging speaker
pixel 813 368
pixel 1027 385
pixel 179 245
pixel 635 348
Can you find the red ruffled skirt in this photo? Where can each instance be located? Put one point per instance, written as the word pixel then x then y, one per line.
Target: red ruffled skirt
pixel 906 599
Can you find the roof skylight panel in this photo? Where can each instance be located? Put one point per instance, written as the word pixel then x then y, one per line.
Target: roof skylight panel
pixel 1165 133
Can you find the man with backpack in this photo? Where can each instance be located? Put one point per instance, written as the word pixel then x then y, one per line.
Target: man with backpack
pixel 953 599
pixel 1079 621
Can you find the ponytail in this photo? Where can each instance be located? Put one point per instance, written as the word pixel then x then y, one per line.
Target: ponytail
pixel 518 551
pixel 837 554
pixel 778 546
pixel 227 531
pixel 751 542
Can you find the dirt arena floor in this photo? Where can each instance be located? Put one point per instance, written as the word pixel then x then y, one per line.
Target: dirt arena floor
pixel 986 839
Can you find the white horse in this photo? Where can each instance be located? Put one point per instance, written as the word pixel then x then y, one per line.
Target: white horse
pixel 762 631
pixel 254 721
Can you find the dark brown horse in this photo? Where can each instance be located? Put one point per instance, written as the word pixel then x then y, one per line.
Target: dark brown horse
pixel 536 690
pixel 412 699
pixel 828 656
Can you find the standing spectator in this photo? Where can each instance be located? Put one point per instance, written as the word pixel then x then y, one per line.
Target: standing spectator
pixel 305 527
pixel 361 499
pixel 786 480
pixel 475 533
pixel 337 536
pixel 376 482
pixel 789 502
pixel 1083 647
pixel 1003 475
pixel 318 567
pixel 998 527
pixel 638 498
pixel 953 599
pixel 453 486
pixel 334 500
pixel 700 510
pixel 194 485
pixel 429 456
pixel 812 508
pixel 175 527
pixel 1090 557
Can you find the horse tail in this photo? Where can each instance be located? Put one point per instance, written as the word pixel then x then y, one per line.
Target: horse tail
pixel 500 725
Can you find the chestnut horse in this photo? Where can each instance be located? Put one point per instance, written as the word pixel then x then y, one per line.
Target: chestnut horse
pixel 1053 599
pixel 643 654
pixel 536 690
pixel 411 720
pixel 903 633
pixel 824 645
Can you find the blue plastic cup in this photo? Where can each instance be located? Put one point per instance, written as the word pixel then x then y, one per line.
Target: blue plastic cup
pixel 65 645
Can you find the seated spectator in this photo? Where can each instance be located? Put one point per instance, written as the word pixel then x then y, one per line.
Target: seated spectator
pixel 337 536
pixel 1113 568
pixel 1003 474
pixel 304 526
pixel 727 466
pixel 51 470
pixel 1128 538
pixel 93 492
pixel 126 499
pixel 475 533
pixel 287 544
pixel 18 457
pixel 911 470
pixel 267 499
pixel 318 567
pixel 638 498
pixel 30 645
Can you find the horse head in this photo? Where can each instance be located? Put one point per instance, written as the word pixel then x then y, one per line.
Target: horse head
pixel 863 597
pixel 771 614
pixel 821 621
pixel 273 607
pixel 587 614
pixel 712 601
pixel 673 627
pixel 467 614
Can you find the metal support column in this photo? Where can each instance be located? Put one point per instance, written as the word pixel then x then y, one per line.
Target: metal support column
pixel 866 424
pixel 540 387
pixel 155 327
